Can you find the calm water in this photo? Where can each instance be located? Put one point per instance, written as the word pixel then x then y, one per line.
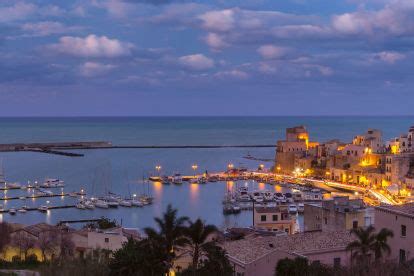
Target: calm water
pixel 122 169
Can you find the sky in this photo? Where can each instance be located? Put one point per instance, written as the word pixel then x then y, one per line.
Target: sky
pixel 215 58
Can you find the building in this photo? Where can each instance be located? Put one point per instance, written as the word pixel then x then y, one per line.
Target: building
pixel 293 148
pixel 366 161
pixel 43 240
pixel 400 220
pixel 32 240
pixel 88 240
pixel 258 255
pixel 273 219
pixel 339 213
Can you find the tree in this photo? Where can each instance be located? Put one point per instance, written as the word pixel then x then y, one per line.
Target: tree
pixel 289 267
pixel 66 246
pixel 300 266
pixel 102 223
pixel 214 262
pixel 47 242
pixel 196 237
pixel 145 257
pixel 24 242
pixel 380 244
pixel 362 246
pixel 4 235
pixel 170 233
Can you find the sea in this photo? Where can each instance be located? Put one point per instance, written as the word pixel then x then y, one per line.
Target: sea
pixel 121 171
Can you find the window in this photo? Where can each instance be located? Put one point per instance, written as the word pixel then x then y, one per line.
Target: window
pixel 337 262
pixel 263 218
pixel 355 224
pixel 402 255
pixel 326 220
pixel 106 240
pixel 403 230
pixel 275 218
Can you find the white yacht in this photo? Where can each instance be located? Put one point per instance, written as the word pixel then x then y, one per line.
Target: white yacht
pixel 112 204
pixel 268 196
pixel 101 204
pixel 125 203
pixel 137 203
pixel 1 208
pixel 244 197
pixel 80 206
pixel 89 204
pixel 293 208
pixel 301 208
pixel 22 210
pixel 43 208
pixel 12 211
pixel 177 179
pixel 53 183
pixel 14 185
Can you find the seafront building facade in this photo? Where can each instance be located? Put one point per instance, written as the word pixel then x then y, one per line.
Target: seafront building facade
pixel 366 161
pixel 273 219
pixel 400 220
pixel 338 213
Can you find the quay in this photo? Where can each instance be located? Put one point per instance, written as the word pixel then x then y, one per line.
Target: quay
pixel 283 179
pixel 55 147
pixel 62 222
pixel 37 208
pixel 40 196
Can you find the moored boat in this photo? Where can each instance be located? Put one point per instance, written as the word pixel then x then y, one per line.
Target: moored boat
pixel 43 208
pixel 293 208
pixel 101 204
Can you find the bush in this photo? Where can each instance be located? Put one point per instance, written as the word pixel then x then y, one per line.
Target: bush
pixel 31 259
pixel 16 259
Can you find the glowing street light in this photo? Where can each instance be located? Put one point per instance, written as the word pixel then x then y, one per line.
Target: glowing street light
pixel 194 167
pixel 158 168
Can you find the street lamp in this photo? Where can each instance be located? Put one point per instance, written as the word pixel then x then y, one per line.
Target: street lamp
pixel 194 167
pixel 261 166
pixel 158 168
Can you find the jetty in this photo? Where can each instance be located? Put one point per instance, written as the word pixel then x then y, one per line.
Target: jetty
pixel 55 147
pixel 61 148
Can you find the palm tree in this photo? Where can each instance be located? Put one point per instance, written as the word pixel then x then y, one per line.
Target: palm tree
pixel 196 237
pixel 170 235
pixel 361 247
pixel 380 244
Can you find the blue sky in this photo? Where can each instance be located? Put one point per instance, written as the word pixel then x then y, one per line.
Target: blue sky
pixel 178 57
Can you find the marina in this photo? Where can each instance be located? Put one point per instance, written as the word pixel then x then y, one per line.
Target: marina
pixel 121 170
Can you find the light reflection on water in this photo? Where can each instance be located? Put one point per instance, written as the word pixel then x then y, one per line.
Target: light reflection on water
pixel 86 172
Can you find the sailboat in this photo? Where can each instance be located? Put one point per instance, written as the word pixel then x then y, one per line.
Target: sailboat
pixel 2 179
pixel 145 197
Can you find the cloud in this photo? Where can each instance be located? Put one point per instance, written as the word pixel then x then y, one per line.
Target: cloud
pixel 196 62
pixel 92 46
pixel 18 11
pixel 272 51
pixel 395 18
pixel 389 57
pixel 47 28
pixel 221 20
pixel 235 74
pixel 323 70
pixel 92 69
pixel 215 41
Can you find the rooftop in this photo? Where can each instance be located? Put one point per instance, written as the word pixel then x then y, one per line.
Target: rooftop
pixel 407 209
pixel 263 210
pixel 250 249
